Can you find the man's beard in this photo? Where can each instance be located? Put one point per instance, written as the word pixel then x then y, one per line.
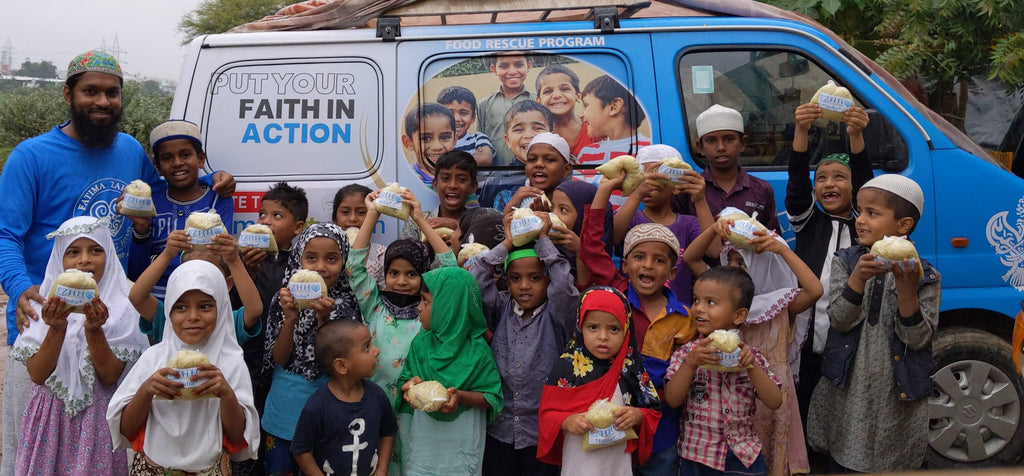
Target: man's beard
pixel 91 135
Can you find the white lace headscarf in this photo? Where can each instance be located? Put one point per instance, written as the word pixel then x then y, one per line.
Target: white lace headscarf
pixel 73 377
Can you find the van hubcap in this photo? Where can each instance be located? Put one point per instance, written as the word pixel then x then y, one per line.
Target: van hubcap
pixel 974 412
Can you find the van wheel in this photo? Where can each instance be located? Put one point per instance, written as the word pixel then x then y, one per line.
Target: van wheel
pixel 975 410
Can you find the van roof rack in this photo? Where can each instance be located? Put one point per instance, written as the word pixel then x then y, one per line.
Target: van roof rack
pixel 475 12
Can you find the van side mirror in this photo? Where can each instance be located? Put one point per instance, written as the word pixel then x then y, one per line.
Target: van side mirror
pixel 794 66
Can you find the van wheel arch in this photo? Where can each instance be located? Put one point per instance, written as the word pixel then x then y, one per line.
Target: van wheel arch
pixel 995 323
pixel 976 409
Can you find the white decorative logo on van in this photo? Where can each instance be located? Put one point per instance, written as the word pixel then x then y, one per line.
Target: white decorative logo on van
pixel 1008 240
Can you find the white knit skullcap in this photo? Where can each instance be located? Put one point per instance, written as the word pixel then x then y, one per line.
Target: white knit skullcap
pixel 719 118
pixel 556 141
pixel 900 186
pixel 656 153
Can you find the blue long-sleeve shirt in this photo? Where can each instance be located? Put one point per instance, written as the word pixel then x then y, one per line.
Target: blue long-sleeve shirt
pixel 171 215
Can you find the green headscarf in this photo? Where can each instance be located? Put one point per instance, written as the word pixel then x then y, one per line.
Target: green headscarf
pixel 453 350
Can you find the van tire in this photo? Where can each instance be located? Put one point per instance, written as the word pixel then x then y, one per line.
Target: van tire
pixel 978 397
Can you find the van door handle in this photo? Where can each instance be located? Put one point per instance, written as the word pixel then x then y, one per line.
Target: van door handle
pixel 959 242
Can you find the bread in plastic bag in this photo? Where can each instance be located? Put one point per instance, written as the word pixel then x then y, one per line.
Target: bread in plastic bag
pixel 469 251
pixel 202 227
pixel 525 226
pixel 833 101
pixel 601 414
pixel 352 232
pixel 895 248
pixel 728 344
pixel 555 221
pixel 389 202
pixel 743 227
pixel 624 164
pixel 676 170
pixel 185 363
pixel 137 200
pixel 306 286
pixel 442 231
pixel 428 396
pixel 258 236
pixel 76 288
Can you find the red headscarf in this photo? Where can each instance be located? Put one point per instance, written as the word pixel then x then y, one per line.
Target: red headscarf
pixel 578 379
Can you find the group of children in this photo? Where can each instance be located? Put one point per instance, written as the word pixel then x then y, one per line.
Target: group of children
pixel 524 339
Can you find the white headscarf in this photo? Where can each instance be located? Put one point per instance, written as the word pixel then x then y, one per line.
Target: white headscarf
pixel 775 286
pixel 187 434
pixel 74 375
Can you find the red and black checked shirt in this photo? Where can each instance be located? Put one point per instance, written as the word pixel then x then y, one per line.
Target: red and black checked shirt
pixel 718 413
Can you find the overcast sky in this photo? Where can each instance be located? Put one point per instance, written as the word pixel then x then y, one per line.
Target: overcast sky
pixel 57 30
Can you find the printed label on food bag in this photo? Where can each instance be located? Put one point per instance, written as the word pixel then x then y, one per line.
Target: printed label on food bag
pixel 673 173
pixel 74 296
pixel 305 290
pixel 202 236
pixel 254 240
pixel 131 202
pixel 833 102
pixel 185 377
pixel 527 202
pixel 605 436
pixel 744 228
pixel 730 359
pixel 389 199
pixel 522 226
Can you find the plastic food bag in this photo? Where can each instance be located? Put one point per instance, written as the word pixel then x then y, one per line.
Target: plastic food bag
pixel 743 227
pixel 428 396
pixel 352 232
pixel 442 231
pixel 728 344
pixel 202 227
pixel 525 226
pixel 76 288
pixel 675 168
pixel 258 236
pixel 138 200
pixel 895 248
pixel 469 250
pixel 834 100
pixel 389 202
pixel 306 286
pixel 185 362
pixel 624 164
pixel 601 414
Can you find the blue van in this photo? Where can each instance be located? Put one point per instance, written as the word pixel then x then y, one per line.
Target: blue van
pixel 323 109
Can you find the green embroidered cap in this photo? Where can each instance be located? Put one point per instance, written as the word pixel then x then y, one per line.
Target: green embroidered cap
pixel 840 158
pixel 94 60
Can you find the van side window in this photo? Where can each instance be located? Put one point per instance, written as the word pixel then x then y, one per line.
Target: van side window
pixel 767 86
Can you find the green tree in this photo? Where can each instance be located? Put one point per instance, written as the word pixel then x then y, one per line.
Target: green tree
pixel 941 44
pixel 42 69
pixel 31 112
pixel 219 16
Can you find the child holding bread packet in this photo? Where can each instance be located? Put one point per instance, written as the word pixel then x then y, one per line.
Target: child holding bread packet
pixel 223 253
pixel 784 288
pixel 602 363
pixel 178 155
pixel 189 424
pixel 719 381
pixel 531 323
pixel 76 354
pixel 315 290
pixel 870 409
pixel 451 352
